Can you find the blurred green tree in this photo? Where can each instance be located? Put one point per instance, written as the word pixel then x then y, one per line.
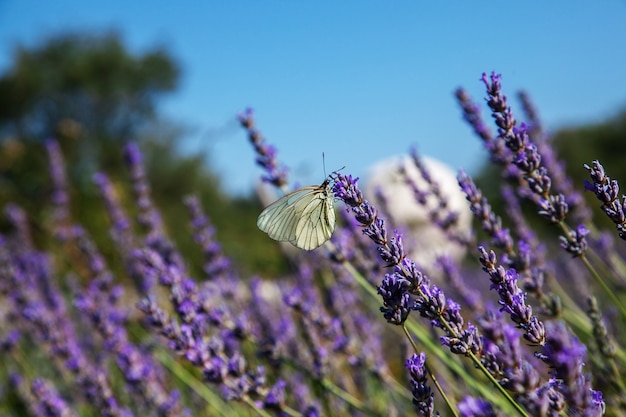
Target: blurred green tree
pixel 92 94
pixel 91 78
pixel 84 88
pixel 604 141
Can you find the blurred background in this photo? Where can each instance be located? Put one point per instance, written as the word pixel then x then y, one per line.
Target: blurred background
pixel 359 81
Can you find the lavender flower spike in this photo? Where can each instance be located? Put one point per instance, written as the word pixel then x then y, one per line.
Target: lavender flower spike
pixel 60 194
pixel 148 216
pixel 607 191
pixel 396 300
pixel 475 407
pixel 423 397
pixel 216 265
pixel 391 250
pixel 566 355
pixel 526 157
pixel 48 401
pixel 121 229
pixel 576 242
pixel 471 114
pixel 512 299
pixel 276 173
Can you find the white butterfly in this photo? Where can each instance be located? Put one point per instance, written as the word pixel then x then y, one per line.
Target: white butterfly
pixel 305 218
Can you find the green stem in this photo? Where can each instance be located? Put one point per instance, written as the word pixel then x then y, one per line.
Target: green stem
pixel 612 294
pixel 203 391
pixel 567 232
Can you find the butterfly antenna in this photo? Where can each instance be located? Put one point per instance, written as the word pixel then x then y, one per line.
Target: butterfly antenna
pixel 324 164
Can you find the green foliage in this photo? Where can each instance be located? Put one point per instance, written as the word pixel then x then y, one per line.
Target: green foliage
pixel 83 85
pixel 605 141
pixel 92 94
pixel 23 174
pixel 86 90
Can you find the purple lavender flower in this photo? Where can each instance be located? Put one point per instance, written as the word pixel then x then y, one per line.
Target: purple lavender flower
pixel 36 298
pixel 560 180
pixel 148 216
pixel 48 402
pixel 18 218
pixel 345 188
pixel 98 304
pixel 316 351
pixel 272 330
pixel 519 376
pixel 607 191
pixel 528 261
pixel 275 398
pixel 441 214
pixel 407 280
pixel 396 287
pixel 311 411
pixel 512 299
pixel 471 113
pixel 532 247
pixel 215 354
pixel 266 154
pixel 491 223
pixel 317 329
pixel 8 342
pixel 120 231
pixel 60 195
pixel 532 117
pixel 396 299
pixel 184 292
pixel 564 353
pixel 217 266
pixel 475 407
pixel 576 242
pixel 544 401
pixel 184 340
pixel 526 157
pixel 423 397
pixel 451 273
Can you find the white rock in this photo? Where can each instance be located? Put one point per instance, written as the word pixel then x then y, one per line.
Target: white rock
pixel 424 240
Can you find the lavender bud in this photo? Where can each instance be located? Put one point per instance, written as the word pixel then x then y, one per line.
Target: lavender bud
pixel 423 397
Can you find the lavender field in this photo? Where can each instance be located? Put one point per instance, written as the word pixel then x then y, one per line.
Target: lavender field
pixel 523 324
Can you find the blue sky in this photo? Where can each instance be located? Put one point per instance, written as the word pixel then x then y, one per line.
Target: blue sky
pixel 357 80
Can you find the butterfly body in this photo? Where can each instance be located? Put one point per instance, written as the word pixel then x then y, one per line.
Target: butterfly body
pixel 305 218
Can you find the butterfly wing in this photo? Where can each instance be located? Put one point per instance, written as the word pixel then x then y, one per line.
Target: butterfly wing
pixel 316 223
pixel 305 217
pixel 280 218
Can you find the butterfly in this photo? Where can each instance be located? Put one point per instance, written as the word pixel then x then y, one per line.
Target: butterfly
pixel 305 218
